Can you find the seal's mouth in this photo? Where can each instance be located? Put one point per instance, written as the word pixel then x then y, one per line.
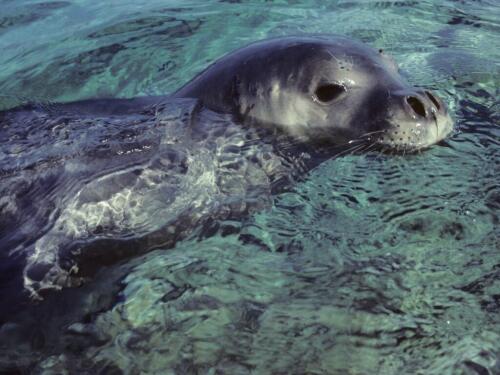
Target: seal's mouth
pixel 415 136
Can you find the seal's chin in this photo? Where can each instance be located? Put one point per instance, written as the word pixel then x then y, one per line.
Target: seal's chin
pixel 410 136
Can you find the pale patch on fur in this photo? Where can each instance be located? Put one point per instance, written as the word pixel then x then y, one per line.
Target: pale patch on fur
pixel 294 111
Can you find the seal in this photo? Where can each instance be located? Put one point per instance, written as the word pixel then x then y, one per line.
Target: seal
pixel 114 178
pixel 323 89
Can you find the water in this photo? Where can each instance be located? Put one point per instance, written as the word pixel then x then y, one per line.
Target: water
pixel 368 264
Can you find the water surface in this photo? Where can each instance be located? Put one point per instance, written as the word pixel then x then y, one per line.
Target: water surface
pixel 368 264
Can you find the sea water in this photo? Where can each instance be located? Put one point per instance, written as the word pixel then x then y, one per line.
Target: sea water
pixel 386 264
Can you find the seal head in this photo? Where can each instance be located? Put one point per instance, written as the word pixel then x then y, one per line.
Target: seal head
pixel 323 89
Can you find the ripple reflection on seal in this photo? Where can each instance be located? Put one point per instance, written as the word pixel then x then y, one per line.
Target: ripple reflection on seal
pixel 323 88
pixel 114 178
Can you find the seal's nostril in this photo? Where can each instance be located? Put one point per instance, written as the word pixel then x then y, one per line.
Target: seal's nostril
pixel 434 100
pixel 417 105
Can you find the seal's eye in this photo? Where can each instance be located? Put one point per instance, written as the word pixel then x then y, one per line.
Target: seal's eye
pixel 328 92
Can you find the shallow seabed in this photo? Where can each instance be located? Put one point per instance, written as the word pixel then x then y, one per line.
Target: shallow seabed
pixel 369 264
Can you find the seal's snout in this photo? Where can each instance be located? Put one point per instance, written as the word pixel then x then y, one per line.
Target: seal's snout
pixel 417 119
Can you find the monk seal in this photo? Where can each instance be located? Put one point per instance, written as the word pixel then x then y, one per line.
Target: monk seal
pixel 118 177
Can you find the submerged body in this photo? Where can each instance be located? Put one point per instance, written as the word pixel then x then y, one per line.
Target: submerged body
pixel 117 177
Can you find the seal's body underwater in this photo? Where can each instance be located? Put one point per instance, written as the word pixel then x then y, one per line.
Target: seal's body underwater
pixel 117 177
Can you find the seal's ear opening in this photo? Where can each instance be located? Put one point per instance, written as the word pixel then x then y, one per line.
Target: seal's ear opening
pixel 328 92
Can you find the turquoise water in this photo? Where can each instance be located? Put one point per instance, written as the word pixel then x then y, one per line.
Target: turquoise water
pixel 368 264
